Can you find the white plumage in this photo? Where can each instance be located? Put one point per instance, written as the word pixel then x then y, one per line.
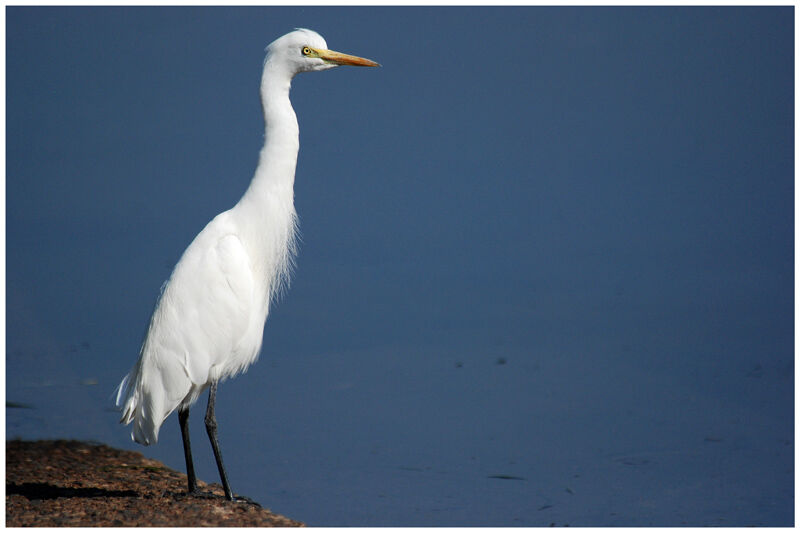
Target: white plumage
pixel 209 320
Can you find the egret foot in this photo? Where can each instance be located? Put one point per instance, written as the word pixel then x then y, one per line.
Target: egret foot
pixel 203 495
pixel 208 495
pixel 237 498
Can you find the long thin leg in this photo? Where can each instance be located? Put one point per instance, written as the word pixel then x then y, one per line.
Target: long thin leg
pixel 211 428
pixel 183 418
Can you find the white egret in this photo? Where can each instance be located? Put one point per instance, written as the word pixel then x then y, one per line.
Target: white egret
pixel 209 320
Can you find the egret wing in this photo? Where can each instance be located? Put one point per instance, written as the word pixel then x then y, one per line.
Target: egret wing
pixel 226 308
pixel 207 307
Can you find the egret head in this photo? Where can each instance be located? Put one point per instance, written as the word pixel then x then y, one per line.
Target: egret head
pixel 306 51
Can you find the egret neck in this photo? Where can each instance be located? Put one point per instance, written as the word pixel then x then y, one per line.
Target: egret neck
pixel 265 213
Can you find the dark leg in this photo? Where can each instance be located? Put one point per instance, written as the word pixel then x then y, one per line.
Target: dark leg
pixel 211 428
pixel 183 418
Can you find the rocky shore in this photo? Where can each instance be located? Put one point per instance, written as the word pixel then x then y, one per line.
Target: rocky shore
pixel 72 483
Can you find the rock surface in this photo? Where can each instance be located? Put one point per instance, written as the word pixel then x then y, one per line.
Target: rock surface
pixel 72 483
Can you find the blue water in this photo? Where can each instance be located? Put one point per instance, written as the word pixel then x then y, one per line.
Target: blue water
pixel 546 272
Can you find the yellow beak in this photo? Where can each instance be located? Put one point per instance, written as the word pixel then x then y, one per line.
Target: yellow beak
pixel 344 59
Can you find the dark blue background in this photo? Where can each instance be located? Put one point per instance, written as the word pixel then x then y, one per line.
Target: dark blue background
pixel 553 244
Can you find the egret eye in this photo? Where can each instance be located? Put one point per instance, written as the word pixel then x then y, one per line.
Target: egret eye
pixel 306 51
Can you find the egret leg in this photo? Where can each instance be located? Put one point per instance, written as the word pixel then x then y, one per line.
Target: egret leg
pixel 211 428
pixel 183 418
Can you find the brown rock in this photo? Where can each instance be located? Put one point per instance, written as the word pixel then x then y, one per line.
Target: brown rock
pixel 72 483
